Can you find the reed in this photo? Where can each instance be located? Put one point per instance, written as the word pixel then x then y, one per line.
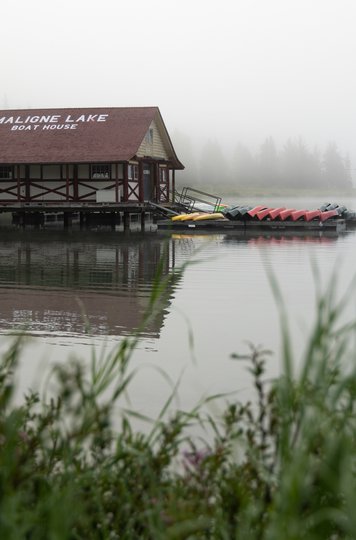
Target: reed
pixel 282 467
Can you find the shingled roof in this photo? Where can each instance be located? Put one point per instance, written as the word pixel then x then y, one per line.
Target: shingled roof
pixel 78 135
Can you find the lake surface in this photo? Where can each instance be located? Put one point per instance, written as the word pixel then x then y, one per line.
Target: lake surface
pixel 75 292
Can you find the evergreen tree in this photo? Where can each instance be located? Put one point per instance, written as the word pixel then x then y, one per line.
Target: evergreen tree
pixel 300 167
pixel 336 170
pixel 243 167
pixel 214 169
pixel 268 167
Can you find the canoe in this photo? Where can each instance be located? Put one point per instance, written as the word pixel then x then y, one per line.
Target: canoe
pixel 312 214
pixel 332 206
pixel 328 214
pixel 324 207
pixel 237 212
pixel 256 209
pixel 244 211
pixel 276 212
pixel 233 212
pixel 264 213
pixel 298 214
pixel 286 213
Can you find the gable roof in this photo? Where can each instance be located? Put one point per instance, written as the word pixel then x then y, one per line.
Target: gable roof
pixel 88 135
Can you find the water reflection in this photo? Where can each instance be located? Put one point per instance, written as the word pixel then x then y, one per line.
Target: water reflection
pixel 49 280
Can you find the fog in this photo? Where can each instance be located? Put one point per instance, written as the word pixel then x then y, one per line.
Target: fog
pixel 232 72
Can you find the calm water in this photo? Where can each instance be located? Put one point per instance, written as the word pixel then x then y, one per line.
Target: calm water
pixel 56 285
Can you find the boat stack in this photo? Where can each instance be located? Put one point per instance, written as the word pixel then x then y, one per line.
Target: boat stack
pixel 325 212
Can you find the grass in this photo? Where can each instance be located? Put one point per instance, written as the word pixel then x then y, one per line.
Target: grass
pixel 282 467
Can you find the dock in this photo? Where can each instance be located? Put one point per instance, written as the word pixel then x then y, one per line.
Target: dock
pixel 224 225
pixel 86 214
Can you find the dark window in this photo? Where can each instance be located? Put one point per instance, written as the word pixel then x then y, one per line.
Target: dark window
pixel 163 175
pixel 5 172
pixel 133 172
pixel 100 170
pixel 149 136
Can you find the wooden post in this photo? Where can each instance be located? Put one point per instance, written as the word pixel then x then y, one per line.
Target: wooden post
pixel 75 183
pixel 27 184
pixel 116 182
pixel 67 182
pixel 18 183
pixel 173 184
pixel 22 219
pixel 126 221
pixel 126 182
pixel 140 182
pixel 67 219
pixel 143 216
pixel 156 182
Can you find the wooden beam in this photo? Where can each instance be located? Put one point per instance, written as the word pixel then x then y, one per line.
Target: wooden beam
pixel 126 182
pixel 18 182
pixel 116 182
pixel 28 183
pixel 67 182
pixel 140 182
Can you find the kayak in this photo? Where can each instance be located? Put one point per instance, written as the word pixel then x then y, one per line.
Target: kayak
pixel 191 216
pixel 184 217
pixel 205 217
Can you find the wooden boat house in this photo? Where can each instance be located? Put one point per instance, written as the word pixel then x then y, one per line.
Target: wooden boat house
pixel 80 157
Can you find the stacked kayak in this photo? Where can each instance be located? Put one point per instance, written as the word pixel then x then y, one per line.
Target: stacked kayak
pixel 329 216
pixel 199 216
pixel 265 213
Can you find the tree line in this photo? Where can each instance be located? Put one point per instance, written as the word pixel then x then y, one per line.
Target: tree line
pixel 294 165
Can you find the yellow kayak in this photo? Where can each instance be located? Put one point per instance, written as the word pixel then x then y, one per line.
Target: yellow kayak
pixel 186 217
pixel 216 215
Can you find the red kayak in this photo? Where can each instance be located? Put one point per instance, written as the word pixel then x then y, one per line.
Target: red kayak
pixel 298 214
pixel 312 214
pixel 328 214
pixel 286 213
pixel 276 212
pixel 254 210
pixel 264 213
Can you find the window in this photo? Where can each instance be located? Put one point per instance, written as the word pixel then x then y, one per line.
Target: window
pixel 100 170
pixel 5 172
pixel 163 175
pixel 133 172
pixel 149 136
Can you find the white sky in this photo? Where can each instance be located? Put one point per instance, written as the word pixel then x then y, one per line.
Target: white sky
pixel 234 70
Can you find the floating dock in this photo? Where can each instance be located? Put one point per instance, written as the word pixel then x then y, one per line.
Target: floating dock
pixel 224 225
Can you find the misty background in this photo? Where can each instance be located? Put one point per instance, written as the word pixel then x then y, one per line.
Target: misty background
pixel 254 93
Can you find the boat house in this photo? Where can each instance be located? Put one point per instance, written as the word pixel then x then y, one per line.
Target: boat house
pixel 97 156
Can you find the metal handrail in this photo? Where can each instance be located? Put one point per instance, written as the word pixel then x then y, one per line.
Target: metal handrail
pixel 189 198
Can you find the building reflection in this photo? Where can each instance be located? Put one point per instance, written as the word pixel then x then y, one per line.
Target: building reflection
pixel 60 284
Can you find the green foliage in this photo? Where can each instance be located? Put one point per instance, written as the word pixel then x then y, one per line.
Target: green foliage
pixel 72 467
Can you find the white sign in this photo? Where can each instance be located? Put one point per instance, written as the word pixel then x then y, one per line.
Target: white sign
pixel 50 122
